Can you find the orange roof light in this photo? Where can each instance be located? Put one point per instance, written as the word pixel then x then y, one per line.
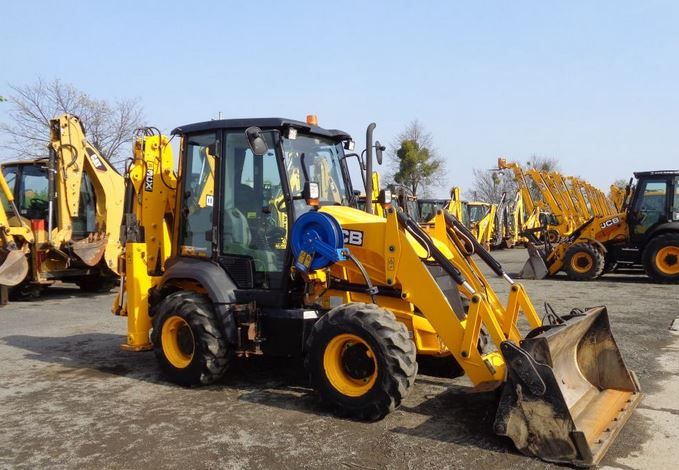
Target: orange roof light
pixel 312 119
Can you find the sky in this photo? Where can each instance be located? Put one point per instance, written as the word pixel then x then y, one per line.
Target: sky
pixel 592 84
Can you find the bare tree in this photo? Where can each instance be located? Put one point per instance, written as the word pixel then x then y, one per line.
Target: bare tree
pixel 108 125
pixel 415 162
pixel 543 163
pixel 488 185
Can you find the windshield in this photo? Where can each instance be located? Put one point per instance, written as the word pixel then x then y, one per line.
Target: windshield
pixel 317 159
pixel 477 212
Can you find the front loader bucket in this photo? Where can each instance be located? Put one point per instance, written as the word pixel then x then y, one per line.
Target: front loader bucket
pixel 535 267
pixel 14 268
pixel 568 392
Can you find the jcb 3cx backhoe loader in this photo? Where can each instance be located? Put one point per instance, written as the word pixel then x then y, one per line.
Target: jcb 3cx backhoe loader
pixel 63 214
pixel 359 295
pixel 645 233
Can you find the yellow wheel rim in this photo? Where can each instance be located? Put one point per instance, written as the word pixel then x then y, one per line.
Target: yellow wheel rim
pixel 177 342
pixel 350 365
pixel 667 260
pixel 582 262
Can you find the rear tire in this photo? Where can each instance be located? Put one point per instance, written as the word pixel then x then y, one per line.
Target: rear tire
pixel 583 262
pixel 187 340
pixel 361 361
pixel 661 258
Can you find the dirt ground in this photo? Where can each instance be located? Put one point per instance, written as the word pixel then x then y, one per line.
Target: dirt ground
pixel 71 398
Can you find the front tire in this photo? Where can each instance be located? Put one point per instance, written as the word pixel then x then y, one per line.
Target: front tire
pixel 361 361
pixel 661 258
pixel 187 340
pixel 583 262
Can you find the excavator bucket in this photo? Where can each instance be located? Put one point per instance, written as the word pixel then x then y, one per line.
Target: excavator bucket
pixel 535 267
pixel 90 250
pixel 13 268
pixel 568 392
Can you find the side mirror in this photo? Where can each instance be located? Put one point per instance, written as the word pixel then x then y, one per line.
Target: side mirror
pixel 379 148
pixel 256 141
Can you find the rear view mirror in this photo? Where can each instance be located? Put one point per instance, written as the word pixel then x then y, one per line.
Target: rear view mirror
pixel 379 148
pixel 256 141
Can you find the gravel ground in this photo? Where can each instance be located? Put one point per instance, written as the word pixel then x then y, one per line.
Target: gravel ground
pixel 70 397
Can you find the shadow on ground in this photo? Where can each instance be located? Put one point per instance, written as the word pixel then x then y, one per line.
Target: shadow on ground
pixel 633 277
pixel 453 413
pixel 56 292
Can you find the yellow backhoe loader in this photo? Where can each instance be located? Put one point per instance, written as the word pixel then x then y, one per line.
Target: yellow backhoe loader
pixel 481 216
pixel 360 296
pixel 528 215
pixel 64 214
pixel 645 234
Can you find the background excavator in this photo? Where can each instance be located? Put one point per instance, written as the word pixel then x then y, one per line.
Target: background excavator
pixel 645 233
pixel 360 296
pixel 63 214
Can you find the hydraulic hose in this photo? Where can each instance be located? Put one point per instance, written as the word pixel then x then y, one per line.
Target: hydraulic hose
pixel 414 229
pixel 478 248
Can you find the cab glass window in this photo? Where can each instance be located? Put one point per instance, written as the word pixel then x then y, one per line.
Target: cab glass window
pixel 649 208
pixel 199 186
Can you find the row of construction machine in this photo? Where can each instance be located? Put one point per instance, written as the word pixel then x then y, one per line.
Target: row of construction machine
pixel 362 297
pixel 642 233
pixel 61 216
pixel 482 218
pixel 557 204
pixel 528 214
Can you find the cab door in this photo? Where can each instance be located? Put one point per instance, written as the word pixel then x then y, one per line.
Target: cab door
pixel 254 215
pixel 650 207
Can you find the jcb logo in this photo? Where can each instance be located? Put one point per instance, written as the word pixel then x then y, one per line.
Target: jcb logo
pixel 610 222
pixel 148 181
pixel 353 237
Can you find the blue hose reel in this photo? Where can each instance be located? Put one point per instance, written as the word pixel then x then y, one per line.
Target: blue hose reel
pixel 317 241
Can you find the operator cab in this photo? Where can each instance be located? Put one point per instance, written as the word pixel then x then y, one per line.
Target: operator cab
pixel 654 203
pixel 237 201
pixel 28 181
pixel 403 198
pixel 428 207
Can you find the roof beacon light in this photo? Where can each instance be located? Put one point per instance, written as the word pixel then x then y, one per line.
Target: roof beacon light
pixel 312 119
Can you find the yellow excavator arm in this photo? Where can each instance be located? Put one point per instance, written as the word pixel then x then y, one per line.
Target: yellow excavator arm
pixel 73 158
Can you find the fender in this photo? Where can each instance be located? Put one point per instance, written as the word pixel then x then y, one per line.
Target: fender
pixel 662 228
pixel 218 286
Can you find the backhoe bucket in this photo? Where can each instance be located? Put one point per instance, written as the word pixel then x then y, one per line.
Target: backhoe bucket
pixel 535 267
pixel 90 250
pixel 13 268
pixel 568 392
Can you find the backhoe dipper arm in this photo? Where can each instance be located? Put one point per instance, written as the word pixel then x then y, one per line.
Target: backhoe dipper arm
pixel 71 157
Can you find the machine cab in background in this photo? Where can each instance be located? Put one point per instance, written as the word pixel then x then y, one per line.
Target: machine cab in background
pixel 28 181
pixel 655 203
pixel 235 204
